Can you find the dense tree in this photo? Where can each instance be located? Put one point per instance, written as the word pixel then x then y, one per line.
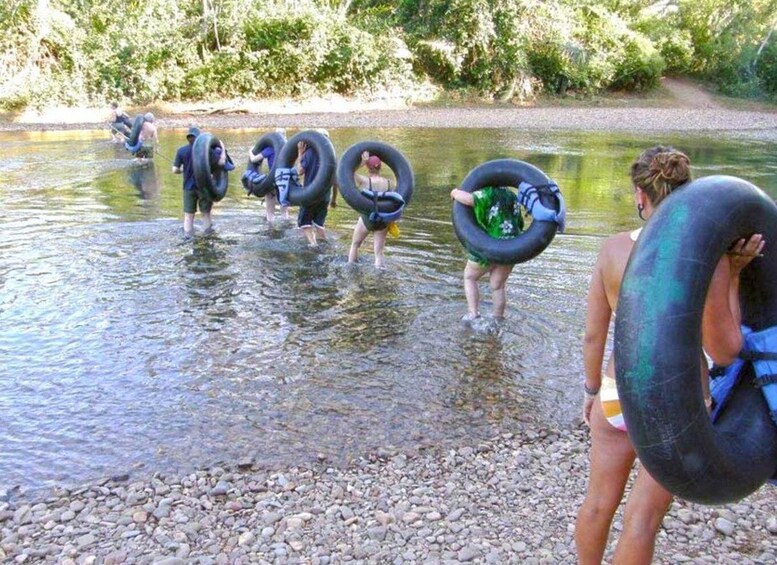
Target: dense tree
pixel 88 51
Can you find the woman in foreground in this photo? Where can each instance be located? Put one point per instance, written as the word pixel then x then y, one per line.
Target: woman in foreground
pixel 655 174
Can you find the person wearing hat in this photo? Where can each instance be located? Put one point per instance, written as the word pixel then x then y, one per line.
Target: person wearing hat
pixel 148 137
pixel 374 181
pixel 193 198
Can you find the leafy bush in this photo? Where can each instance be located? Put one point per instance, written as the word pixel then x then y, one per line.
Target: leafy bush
pixel 438 60
pixel 640 66
pixel 766 68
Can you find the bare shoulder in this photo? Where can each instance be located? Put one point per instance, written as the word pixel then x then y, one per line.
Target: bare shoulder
pixel 616 245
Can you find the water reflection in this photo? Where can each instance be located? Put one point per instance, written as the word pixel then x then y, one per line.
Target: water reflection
pixel 121 338
pixel 209 281
pixel 145 179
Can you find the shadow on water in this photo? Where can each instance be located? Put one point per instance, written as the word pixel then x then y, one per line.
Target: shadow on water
pixel 124 345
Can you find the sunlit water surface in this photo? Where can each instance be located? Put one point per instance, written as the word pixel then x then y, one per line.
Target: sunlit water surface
pixel 124 347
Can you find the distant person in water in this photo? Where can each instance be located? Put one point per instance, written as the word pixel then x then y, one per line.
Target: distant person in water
pixel 193 197
pixel 121 124
pixel 498 213
pixel 375 182
pixel 148 137
pixel 271 198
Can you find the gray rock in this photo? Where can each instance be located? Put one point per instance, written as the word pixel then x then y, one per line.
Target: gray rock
pixel 23 515
pixel 686 516
pixel 468 553
pixel 724 526
pixel 455 515
pixel 85 540
pixel 377 533
pixel 246 538
pixel 221 489
pixel 67 516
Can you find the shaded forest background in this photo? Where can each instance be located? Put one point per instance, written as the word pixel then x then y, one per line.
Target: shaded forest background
pixel 77 52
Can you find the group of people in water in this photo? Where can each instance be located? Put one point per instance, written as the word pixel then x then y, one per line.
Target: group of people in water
pixel 656 173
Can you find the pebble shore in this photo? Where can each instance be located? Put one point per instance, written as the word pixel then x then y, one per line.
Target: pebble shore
pixel 511 499
pixel 756 125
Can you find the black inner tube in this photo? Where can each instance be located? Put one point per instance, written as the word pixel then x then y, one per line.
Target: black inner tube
pixel 208 176
pixel 317 187
pixel 530 243
pixel 391 157
pixel 658 342
pixel 137 124
pixel 276 141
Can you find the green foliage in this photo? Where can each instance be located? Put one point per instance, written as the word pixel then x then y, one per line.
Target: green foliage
pixel 81 51
pixel 438 60
pixel 640 66
pixel 766 68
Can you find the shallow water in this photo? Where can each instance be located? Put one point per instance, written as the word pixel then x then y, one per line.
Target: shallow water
pixel 123 346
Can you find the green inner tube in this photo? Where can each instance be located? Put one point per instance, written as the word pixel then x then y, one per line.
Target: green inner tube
pixel 658 342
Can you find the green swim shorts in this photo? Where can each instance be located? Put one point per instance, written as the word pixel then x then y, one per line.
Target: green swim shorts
pixel 192 199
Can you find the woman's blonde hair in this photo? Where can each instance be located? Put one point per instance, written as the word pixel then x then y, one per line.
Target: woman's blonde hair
pixel 659 170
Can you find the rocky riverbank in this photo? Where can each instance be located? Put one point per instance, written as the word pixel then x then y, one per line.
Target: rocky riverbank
pixel 512 499
pixel 750 124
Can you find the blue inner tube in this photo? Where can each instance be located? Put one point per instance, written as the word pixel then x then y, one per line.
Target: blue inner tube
pixel 530 243
pixel 395 160
pixel 317 187
pixel 208 176
pixel 134 135
pixel 257 183
pixel 658 342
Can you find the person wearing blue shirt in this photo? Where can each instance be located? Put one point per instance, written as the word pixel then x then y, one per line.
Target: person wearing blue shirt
pixel 192 196
pixel 271 198
pixel 311 218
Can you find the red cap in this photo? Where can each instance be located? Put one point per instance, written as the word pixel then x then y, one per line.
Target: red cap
pixel 374 162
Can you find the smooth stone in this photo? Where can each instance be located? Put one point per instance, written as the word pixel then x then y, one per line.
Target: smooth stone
pixel 67 516
pixel 246 538
pixel 724 527
pixel 85 540
pixel 23 515
pixel 220 489
pixel 468 553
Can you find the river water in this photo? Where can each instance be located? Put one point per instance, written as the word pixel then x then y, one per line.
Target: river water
pixel 125 348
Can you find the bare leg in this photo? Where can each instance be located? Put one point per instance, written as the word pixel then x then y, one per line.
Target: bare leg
pixel 320 232
pixel 472 274
pixel 645 509
pixel 207 223
pixel 285 212
pixel 611 459
pixel 310 235
pixel 359 235
pixel 379 242
pixel 498 280
pixel 269 206
pixel 188 224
